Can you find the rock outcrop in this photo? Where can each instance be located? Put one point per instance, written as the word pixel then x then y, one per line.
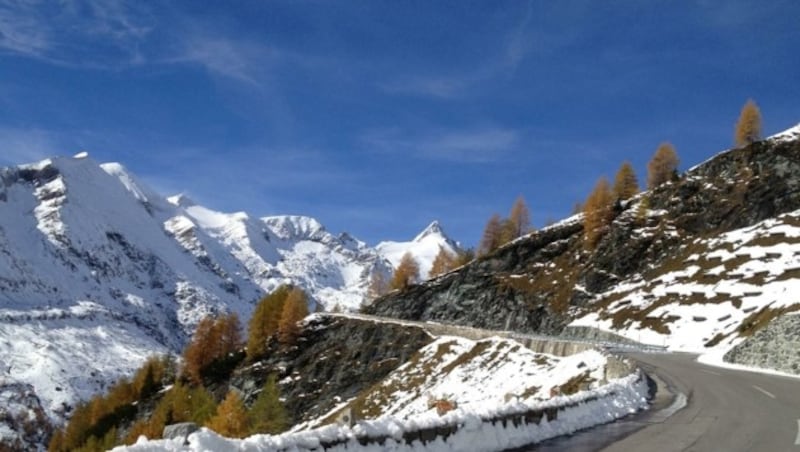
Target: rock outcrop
pixel 334 359
pixel 776 346
pixel 542 282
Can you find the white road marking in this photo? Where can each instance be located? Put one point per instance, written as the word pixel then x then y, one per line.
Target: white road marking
pixel 797 441
pixel 711 372
pixel 765 392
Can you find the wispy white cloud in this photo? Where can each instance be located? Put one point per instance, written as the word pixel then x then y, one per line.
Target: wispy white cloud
pixel 68 33
pixel 733 15
pixel 466 146
pixel 264 178
pixel 441 87
pixel 219 55
pixel 114 35
pixel 512 51
pixel 518 42
pixel 20 145
pixel 21 31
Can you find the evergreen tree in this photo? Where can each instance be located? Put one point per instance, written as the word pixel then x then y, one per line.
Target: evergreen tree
pixel 519 220
pixel 506 232
pixel 625 183
pixel 642 209
pixel 56 443
pixel 663 166
pixel 230 419
pixel 442 263
pixel 148 385
pixel 213 339
pixel 406 273
pixel 748 128
pixel 267 414
pixel 264 322
pixel 492 235
pixel 295 309
pixel 598 213
pixel 229 334
pixel 463 257
pixel 184 404
pixel 378 285
pixel 200 351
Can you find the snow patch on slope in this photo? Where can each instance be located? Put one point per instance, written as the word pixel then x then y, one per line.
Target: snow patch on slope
pixel 463 370
pixel 790 134
pixel 724 286
pixel 601 404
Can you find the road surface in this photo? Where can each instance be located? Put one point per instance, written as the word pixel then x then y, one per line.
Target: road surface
pixel 726 410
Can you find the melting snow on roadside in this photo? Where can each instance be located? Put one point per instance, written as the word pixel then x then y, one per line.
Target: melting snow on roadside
pixel 488 379
pixel 613 401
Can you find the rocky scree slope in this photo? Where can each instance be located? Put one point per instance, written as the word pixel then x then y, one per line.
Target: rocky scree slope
pixel 719 246
pixel 776 346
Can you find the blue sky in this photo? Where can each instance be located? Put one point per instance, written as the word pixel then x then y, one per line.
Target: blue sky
pixel 378 117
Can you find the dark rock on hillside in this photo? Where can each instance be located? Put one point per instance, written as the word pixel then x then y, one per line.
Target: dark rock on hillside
pixel 536 283
pixel 334 359
pixel 21 412
pixel 777 346
pixel 486 293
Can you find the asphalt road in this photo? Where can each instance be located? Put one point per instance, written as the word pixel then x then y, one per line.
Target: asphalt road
pixel 726 410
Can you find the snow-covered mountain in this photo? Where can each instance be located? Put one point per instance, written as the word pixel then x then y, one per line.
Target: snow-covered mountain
pixel 97 272
pixel 424 248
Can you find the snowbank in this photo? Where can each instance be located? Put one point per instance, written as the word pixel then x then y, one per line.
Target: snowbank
pixel 491 429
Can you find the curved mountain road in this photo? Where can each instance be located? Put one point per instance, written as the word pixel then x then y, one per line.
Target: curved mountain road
pixel 727 410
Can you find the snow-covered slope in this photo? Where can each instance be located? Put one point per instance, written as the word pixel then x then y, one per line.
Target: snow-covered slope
pixel 270 251
pixel 478 386
pixel 717 292
pixel 97 272
pixel 477 375
pixel 91 284
pixel 423 248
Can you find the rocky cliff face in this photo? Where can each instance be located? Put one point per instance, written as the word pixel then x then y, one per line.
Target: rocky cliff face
pixel 484 293
pixel 334 360
pixel 547 280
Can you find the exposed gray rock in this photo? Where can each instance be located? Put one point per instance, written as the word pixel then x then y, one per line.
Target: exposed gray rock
pixel 334 359
pixel 181 430
pixel 539 282
pixel 22 414
pixel 777 346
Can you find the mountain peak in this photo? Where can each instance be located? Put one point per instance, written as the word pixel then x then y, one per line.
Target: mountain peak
pixel 433 229
pixel 181 200
pixel 293 227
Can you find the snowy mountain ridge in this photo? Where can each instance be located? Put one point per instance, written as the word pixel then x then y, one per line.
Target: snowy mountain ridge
pixel 97 272
pixel 424 248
